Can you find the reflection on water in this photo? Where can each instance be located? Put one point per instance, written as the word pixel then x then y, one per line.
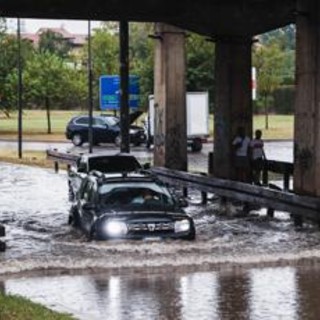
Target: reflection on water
pixel 257 294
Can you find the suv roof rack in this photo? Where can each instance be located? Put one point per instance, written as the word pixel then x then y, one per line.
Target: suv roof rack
pixel 96 173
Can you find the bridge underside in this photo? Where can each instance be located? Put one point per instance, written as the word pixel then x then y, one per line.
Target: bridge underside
pixel 231 24
pixel 207 17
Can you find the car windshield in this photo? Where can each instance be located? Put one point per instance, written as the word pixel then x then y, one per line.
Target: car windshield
pixel 112 121
pixel 135 195
pixel 114 164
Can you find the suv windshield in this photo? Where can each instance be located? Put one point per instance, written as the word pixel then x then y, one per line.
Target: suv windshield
pixel 114 164
pixel 111 121
pixel 135 195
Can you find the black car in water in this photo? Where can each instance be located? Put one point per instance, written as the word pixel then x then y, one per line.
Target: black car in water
pixel 106 163
pixel 105 128
pixel 129 206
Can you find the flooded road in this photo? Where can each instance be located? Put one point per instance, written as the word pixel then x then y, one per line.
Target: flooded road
pixel 237 266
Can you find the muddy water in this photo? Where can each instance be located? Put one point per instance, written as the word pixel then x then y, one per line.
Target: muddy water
pixel 174 279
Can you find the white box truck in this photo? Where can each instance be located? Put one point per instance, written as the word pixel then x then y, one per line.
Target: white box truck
pixel 197 104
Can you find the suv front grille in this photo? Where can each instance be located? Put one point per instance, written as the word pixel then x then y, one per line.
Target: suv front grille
pixel 151 226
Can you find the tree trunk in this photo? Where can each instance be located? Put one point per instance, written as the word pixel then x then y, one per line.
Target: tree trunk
pixel 47 102
pixel 266 112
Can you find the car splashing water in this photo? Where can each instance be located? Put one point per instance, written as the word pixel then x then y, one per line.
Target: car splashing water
pixel 34 209
pixel 155 280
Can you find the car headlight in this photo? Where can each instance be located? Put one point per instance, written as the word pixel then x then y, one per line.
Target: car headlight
pixel 182 226
pixel 133 131
pixel 115 228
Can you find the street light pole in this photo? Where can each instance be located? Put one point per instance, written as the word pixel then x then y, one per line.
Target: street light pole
pixel 124 86
pixel 90 133
pixel 20 88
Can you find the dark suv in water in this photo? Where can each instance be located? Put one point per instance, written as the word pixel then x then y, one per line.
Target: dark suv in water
pixel 129 205
pixel 106 129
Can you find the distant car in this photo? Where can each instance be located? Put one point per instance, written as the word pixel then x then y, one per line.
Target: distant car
pixel 105 128
pixel 105 163
pixel 129 206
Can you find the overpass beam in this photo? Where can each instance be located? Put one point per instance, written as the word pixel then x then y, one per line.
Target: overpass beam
pixel 170 136
pixel 307 104
pixel 233 99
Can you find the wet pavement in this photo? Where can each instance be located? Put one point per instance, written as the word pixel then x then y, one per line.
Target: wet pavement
pixel 238 267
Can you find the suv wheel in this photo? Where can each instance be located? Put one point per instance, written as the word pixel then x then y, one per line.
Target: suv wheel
pixel 196 145
pixel 74 219
pixel 77 139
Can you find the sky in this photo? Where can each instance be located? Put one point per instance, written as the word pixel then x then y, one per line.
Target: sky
pixel 32 25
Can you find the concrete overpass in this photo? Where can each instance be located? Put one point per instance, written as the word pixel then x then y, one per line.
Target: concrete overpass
pixel 231 24
pixel 208 17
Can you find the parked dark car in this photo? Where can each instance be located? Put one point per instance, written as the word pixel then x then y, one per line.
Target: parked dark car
pixel 106 129
pixel 129 206
pixel 106 163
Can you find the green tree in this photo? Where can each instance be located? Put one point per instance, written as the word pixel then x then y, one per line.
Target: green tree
pixel 141 48
pixel 269 61
pixel 9 56
pixel 200 65
pixel 105 55
pixel 48 80
pixel 54 43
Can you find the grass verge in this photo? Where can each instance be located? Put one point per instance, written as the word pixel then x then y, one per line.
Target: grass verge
pixel 30 158
pixel 18 308
pixel 35 125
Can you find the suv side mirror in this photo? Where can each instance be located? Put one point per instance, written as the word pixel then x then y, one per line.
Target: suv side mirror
pixel 82 167
pixel 146 166
pixel 183 203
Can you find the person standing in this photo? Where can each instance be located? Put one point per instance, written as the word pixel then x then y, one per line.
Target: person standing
pixel 241 145
pixel 258 157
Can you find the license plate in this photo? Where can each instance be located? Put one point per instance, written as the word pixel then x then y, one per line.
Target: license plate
pixel 152 239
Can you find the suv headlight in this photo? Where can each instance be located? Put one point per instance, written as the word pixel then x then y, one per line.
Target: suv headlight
pixel 133 131
pixel 182 226
pixel 114 228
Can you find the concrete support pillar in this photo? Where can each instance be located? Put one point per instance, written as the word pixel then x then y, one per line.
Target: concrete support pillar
pixel 307 104
pixel 170 137
pixel 233 100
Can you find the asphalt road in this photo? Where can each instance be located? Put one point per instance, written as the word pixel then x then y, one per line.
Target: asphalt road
pixel 275 150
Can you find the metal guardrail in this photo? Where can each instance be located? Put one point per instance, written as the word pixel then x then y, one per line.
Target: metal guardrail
pixel 298 205
pixel 277 200
pixel 61 157
pixel 279 167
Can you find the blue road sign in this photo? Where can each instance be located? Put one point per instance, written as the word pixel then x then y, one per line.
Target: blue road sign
pixel 110 92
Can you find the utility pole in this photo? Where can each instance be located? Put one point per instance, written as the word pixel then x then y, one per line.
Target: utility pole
pixel 20 88
pixel 90 104
pixel 124 86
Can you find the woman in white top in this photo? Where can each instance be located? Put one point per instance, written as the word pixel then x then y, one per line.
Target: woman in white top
pixel 257 157
pixel 241 145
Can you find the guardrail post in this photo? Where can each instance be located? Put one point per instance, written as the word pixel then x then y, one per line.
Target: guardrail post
pixel 210 163
pixel 2 234
pixel 265 177
pixel 286 180
pixel 56 166
pixel 270 213
pixel 185 192
pixel 204 198
pixel 297 220
pixel 204 195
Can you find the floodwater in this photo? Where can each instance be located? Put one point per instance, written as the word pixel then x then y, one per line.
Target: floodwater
pixel 238 268
pixel 285 293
